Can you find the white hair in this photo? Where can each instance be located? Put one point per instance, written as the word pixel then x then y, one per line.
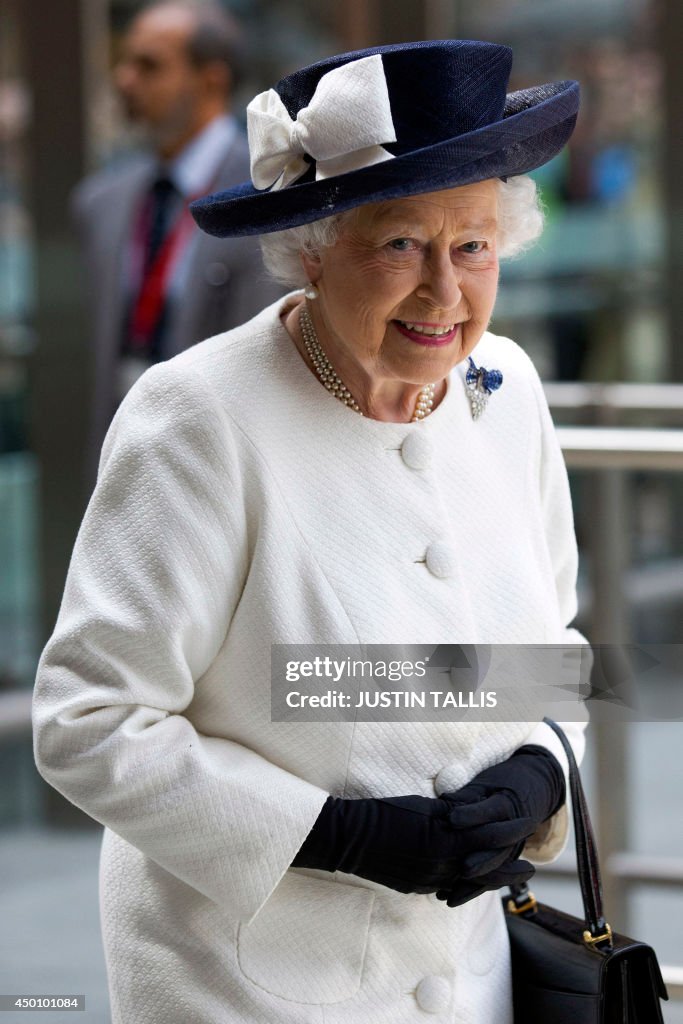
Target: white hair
pixel 520 222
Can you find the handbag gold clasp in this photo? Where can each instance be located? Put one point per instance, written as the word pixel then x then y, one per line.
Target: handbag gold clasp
pixel 529 904
pixel 592 940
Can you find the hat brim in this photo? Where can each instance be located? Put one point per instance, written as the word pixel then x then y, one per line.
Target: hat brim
pixel 540 124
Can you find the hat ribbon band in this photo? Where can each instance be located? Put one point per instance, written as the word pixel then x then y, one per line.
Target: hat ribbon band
pixel 343 128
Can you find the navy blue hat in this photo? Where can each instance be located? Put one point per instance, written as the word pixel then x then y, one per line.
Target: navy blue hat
pixel 385 122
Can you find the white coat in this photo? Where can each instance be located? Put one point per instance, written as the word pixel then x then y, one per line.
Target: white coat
pixel 240 505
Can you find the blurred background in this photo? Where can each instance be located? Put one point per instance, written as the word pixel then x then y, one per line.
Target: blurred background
pixel 598 304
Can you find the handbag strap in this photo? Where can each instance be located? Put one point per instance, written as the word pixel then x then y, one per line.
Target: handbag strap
pixel 586 852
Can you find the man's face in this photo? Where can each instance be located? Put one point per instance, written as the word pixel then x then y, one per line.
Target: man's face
pixel 158 85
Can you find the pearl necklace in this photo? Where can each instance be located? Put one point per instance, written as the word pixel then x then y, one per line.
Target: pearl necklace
pixel 329 378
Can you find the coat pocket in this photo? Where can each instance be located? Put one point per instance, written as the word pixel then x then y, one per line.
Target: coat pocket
pixel 307 943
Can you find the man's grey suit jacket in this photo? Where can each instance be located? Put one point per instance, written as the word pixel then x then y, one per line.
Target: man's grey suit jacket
pixel 225 283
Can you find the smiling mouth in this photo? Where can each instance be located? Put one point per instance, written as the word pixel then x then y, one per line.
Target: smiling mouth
pixel 427 334
pixel 434 329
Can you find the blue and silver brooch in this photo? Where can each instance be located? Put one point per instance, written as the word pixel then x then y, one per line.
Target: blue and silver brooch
pixel 480 383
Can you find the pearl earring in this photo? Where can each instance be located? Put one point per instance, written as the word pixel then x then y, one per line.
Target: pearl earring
pixel 310 291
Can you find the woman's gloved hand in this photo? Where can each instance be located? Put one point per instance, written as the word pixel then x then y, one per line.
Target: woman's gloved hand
pixel 511 872
pixel 410 844
pixel 529 785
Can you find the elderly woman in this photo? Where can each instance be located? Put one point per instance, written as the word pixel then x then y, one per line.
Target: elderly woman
pixel 361 463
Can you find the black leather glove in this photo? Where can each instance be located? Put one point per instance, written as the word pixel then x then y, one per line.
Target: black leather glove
pixel 409 843
pixel 528 786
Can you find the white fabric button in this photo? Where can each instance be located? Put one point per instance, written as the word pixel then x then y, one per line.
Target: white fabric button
pixel 453 776
pixel 416 450
pixel 433 994
pixel 216 273
pixel 440 559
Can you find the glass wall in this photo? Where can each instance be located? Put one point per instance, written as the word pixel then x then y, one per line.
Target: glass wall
pixel 587 301
pixel 17 467
pixel 19 632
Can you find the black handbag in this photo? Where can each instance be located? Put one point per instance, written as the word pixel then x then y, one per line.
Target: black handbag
pixel 569 971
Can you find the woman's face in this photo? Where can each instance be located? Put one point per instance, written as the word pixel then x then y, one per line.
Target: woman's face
pixel 408 289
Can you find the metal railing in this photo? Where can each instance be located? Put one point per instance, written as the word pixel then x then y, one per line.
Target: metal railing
pixel 15 713
pixel 614 449
pixel 639 448
pixel 603 401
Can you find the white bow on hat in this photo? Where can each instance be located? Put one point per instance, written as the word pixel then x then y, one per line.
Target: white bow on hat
pixel 342 128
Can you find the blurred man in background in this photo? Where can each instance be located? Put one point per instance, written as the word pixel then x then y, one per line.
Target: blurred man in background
pixel 158 284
